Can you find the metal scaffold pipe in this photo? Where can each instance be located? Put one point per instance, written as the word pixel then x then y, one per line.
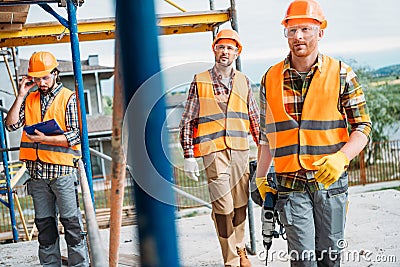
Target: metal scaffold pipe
pixel 97 255
pixel 9 71
pixel 14 57
pixel 118 171
pixel 212 7
pixel 137 31
pixel 10 203
pixel 235 26
pixel 76 62
pixel 175 5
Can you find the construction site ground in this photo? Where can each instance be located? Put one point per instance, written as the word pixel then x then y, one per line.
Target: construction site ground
pixel 371 237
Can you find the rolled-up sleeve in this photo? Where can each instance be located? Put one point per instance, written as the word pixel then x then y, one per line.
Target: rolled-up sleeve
pixel 20 122
pixel 189 121
pixel 254 115
pixel 354 104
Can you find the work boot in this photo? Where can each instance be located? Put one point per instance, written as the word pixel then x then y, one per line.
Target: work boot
pixel 244 261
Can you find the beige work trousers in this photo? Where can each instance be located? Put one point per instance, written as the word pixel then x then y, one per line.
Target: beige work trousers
pixel 228 183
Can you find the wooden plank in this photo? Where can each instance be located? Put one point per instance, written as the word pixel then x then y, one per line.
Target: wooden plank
pixel 13 17
pixel 6 236
pixel 19 8
pixel 10 27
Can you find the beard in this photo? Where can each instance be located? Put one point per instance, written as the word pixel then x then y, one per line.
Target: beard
pixel 46 89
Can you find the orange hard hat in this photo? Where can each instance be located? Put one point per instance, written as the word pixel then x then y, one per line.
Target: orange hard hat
pixel 228 34
pixel 41 64
pixel 305 9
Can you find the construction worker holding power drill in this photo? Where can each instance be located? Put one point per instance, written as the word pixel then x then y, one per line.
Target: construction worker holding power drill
pixel 306 101
pixel 219 114
pixel 50 159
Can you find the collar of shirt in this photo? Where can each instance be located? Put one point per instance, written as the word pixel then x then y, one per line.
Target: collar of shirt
pixel 218 76
pixel 47 99
pixel 219 86
pixel 318 64
pixel 53 91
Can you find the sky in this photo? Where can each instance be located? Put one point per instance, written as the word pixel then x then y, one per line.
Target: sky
pixel 363 33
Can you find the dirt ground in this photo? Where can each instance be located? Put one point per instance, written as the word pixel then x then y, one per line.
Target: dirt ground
pixel 371 238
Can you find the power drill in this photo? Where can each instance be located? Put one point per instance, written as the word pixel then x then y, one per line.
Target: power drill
pixel 268 220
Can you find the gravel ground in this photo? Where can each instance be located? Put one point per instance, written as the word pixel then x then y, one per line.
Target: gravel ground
pixel 371 238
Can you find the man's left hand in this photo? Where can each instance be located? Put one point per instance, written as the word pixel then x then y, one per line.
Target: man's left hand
pixel 331 168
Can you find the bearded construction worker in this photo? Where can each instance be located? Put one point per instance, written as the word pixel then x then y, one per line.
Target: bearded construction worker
pixel 306 102
pixel 51 159
pixel 220 113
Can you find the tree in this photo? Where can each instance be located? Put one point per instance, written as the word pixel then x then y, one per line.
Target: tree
pixel 383 102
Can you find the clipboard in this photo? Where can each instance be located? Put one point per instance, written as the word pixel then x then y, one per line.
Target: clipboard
pixel 49 127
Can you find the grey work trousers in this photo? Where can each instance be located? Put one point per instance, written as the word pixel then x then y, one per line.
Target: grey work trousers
pixel 50 198
pixel 314 223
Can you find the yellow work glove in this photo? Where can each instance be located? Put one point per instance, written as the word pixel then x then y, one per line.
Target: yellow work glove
pixel 263 187
pixel 331 168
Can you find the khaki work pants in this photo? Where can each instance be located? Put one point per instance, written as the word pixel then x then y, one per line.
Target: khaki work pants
pixel 228 183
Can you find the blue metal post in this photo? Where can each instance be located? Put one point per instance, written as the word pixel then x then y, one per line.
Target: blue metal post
pixel 51 11
pixel 8 184
pixel 76 61
pixel 137 32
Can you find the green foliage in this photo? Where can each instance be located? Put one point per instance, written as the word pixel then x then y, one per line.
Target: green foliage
pixel 383 100
pixel 107 105
pixel 384 111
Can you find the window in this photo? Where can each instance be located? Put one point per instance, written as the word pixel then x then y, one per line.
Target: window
pixel 87 102
pixel 96 162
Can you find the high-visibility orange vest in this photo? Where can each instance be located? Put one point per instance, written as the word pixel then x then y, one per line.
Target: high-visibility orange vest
pixel 218 130
pixel 47 152
pixel 322 129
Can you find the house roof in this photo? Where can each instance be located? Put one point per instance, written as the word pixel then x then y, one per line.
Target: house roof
pixel 66 66
pixel 99 124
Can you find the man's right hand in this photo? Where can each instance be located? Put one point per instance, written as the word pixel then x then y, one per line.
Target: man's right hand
pixel 264 187
pixel 191 169
pixel 24 86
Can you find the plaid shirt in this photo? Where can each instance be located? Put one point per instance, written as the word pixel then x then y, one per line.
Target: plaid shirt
pixel 352 101
pixel 190 117
pixel 42 170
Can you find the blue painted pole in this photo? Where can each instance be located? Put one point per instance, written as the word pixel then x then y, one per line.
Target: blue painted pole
pixel 8 184
pixel 154 198
pixel 52 12
pixel 27 2
pixel 76 61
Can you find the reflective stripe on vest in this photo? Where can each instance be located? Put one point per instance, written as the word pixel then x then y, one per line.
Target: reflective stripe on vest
pixel 47 152
pixel 322 129
pixel 218 130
